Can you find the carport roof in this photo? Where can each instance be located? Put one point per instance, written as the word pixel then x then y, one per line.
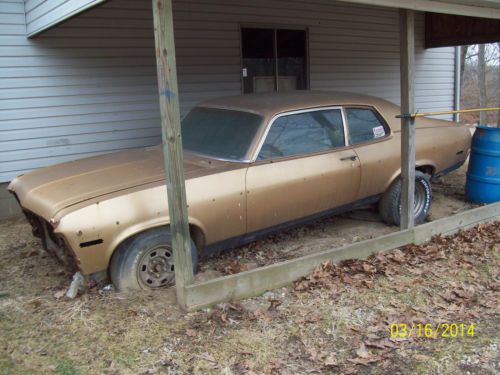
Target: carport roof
pixel 471 8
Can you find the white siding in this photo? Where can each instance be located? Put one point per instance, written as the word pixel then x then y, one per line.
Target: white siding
pixel 435 75
pixel 88 86
pixel 42 14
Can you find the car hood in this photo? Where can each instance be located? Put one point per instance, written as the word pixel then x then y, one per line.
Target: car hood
pixel 48 190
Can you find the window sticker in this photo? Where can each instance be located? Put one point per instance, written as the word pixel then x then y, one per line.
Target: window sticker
pixel 378 132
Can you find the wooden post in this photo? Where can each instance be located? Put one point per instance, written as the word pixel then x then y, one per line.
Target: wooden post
pixel 172 145
pixel 407 68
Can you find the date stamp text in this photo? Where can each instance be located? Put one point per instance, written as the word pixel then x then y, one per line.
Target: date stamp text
pixel 446 330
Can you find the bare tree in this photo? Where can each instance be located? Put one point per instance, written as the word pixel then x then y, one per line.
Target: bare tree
pixel 463 57
pixel 480 83
pixel 481 77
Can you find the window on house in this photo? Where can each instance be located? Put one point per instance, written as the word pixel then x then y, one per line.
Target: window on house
pixel 365 125
pixel 273 60
pixel 304 133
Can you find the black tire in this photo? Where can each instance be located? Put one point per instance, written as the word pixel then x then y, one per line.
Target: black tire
pixel 129 265
pixel 390 204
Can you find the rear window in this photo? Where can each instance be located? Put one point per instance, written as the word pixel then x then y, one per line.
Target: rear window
pixel 365 125
pixel 219 133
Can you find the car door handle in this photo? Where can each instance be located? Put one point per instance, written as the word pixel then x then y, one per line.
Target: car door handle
pixel 351 158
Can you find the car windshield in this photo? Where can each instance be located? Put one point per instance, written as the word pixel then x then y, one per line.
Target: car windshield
pixel 219 133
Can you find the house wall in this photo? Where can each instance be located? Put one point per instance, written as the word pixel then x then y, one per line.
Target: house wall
pixel 88 85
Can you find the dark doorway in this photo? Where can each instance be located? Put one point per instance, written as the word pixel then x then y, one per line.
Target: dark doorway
pixel 274 60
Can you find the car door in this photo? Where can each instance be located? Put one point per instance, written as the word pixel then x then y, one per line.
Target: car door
pixel 378 151
pixel 302 168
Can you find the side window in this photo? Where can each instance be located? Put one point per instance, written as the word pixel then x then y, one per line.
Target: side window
pixel 365 125
pixel 304 133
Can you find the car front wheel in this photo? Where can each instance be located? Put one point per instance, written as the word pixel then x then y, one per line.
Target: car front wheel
pixel 146 261
pixel 390 204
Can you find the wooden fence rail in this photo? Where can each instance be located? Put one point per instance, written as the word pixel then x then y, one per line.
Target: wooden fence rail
pixel 255 282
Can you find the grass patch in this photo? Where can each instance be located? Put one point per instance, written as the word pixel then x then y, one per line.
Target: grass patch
pixel 66 368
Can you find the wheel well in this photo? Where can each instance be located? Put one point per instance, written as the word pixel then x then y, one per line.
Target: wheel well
pixel 194 231
pixel 427 169
pixel 197 236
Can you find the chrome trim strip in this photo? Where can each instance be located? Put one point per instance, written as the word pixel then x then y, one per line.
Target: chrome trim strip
pixel 316 109
pixel 243 161
pixel 346 128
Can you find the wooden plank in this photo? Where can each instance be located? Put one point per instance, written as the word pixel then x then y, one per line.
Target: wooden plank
pixel 254 282
pixel 407 69
pixel 257 281
pixel 172 145
pixel 453 224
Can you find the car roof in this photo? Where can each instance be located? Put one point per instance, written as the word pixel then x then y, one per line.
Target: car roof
pixel 270 104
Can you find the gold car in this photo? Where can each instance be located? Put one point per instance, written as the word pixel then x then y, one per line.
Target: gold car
pixel 253 164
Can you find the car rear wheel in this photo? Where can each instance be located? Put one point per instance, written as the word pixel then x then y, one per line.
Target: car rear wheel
pixel 146 261
pixel 390 204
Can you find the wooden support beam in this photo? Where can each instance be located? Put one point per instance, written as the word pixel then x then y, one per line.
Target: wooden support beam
pixel 172 145
pixel 407 68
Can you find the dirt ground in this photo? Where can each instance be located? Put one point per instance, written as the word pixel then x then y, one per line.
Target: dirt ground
pixel 335 321
pixel 448 199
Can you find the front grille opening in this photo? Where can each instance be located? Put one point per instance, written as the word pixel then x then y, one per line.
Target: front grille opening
pixel 51 242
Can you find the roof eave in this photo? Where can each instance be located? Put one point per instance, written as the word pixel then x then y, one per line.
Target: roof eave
pixel 476 8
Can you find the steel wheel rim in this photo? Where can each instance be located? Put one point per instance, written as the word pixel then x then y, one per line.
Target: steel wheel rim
pixel 156 267
pixel 420 198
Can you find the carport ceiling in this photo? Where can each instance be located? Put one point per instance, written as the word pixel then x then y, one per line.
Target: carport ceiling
pixel 443 30
pixel 471 8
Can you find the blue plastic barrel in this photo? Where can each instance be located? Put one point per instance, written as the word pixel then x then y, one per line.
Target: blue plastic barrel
pixel 483 175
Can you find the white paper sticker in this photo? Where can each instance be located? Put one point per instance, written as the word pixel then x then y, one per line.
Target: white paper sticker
pixel 378 132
